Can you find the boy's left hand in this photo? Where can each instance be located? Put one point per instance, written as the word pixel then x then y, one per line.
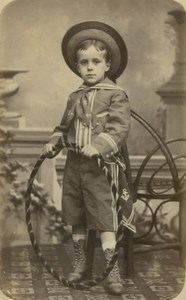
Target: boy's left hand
pixel 89 150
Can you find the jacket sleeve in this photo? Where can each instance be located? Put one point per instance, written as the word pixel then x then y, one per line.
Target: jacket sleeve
pixel 60 132
pixel 117 126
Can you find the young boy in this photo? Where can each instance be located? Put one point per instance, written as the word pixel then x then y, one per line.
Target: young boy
pixel 96 122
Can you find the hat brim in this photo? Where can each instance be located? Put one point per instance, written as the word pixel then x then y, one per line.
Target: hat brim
pixel 98 31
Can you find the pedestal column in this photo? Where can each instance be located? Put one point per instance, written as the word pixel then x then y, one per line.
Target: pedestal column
pixel 173 93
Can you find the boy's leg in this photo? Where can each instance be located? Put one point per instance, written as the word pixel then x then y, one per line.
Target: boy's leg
pixel 108 241
pixel 79 233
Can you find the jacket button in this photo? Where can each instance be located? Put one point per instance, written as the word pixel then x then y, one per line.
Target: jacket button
pixel 107 155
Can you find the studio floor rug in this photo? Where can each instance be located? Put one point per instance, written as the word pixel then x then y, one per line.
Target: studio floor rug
pixel 157 275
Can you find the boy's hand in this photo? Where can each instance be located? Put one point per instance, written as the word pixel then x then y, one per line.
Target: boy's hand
pixel 89 150
pixel 48 150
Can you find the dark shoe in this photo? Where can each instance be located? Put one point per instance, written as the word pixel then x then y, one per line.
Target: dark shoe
pixel 115 286
pixel 80 263
pixel 78 274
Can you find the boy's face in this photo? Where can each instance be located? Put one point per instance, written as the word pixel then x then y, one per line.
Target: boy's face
pixel 91 65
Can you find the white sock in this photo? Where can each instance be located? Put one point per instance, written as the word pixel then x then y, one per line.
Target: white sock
pixel 77 237
pixel 110 244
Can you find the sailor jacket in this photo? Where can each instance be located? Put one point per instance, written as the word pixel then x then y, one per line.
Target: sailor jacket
pixel 105 123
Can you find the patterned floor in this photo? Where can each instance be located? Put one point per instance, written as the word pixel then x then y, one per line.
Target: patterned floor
pixel 157 275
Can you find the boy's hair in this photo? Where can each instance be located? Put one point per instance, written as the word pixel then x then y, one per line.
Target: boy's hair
pixel 100 46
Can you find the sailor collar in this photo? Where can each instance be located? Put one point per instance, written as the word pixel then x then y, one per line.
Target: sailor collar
pixel 105 85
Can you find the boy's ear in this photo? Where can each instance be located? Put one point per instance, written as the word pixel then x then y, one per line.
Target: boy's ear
pixel 108 64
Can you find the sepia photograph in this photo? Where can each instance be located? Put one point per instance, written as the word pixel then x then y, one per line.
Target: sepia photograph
pixel 92 149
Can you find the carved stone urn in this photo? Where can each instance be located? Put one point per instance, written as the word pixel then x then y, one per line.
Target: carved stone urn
pixel 8 87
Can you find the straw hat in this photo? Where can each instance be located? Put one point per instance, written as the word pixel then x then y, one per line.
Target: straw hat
pixel 97 31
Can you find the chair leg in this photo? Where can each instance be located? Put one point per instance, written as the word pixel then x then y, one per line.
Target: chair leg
pixel 90 251
pixel 182 225
pixel 128 235
pixel 128 253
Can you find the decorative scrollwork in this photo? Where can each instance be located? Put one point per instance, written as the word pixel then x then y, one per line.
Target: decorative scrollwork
pixel 157 191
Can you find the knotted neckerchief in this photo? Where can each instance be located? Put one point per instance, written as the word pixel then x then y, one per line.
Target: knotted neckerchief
pixel 83 109
pixel 83 104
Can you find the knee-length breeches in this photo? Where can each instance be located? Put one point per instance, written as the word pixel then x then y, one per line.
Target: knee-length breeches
pixel 87 197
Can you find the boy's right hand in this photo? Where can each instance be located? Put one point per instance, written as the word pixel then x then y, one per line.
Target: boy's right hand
pixel 48 150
